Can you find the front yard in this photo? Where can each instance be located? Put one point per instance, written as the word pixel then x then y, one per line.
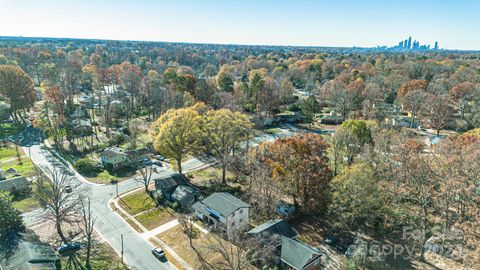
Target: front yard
pixel 178 241
pixel 136 202
pixel 12 156
pixel 25 203
pixel 156 217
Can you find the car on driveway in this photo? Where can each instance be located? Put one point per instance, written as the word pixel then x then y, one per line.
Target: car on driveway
pixel 158 253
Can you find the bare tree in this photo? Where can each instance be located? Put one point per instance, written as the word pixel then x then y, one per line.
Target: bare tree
pixel 237 252
pixel 88 222
pixel 146 171
pixel 438 112
pixel 414 102
pixel 52 191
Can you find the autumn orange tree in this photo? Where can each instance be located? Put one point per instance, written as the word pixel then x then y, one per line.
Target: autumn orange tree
pixel 412 86
pixel 17 88
pixel 300 164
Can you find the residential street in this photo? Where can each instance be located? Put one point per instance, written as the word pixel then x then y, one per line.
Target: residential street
pixel 109 225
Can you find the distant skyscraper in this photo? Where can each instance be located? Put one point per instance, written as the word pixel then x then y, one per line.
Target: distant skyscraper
pixel 405 43
pixel 436 46
pixel 409 44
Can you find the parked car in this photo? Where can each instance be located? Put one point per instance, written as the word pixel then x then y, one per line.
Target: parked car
pixel 158 253
pixel 68 189
pixel 159 157
pixel 69 248
pixel 157 163
pixel 331 240
pixel 145 161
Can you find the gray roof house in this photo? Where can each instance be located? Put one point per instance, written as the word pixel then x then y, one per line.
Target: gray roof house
pixel 31 254
pixel 14 184
pixel 168 184
pixel 114 157
pixel 185 195
pixel 298 255
pixel 270 232
pixel 223 211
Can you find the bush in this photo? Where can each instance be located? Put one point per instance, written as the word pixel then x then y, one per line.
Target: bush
pixel 86 166
pixel 175 206
pixel 294 107
pixel 159 197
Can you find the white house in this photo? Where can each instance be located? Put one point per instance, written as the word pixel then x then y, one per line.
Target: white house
pixel 223 211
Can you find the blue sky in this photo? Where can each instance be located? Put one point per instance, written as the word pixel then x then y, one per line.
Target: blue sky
pixel 454 23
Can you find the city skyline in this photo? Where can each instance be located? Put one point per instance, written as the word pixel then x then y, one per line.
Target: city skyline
pixel 325 23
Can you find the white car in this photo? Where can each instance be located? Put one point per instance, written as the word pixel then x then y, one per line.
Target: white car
pixel 158 253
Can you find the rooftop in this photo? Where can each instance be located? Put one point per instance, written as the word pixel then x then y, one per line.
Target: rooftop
pixel 297 254
pixel 224 203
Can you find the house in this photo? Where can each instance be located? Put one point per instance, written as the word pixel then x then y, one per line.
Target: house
pixel 168 184
pixel 288 117
pixel 114 158
pixel 331 120
pixel 176 189
pixel 285 209
pixel 15 184
pixel 299 256
pixel 185 195
pixel 223 211
pixel 271 232
pixel 31 254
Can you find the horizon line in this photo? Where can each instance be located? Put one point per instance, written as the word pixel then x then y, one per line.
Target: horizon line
pixel 378 47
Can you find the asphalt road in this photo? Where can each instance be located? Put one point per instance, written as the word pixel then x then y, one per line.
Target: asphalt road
pixel 109 225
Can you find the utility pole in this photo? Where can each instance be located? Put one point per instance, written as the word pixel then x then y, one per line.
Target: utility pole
pixel 122 247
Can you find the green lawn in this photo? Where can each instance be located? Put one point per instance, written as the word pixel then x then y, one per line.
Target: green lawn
pixel 26 168
pixel 9 159
pixel 273 131
pixel 8 129
pixel 210 173
pixel 103 257
pixel 7 153
pixel 26 204
pixel 157 217
pixel 103 177
pixel 136 202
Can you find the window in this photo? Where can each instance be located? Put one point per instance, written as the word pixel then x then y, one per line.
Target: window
pixel 241 211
